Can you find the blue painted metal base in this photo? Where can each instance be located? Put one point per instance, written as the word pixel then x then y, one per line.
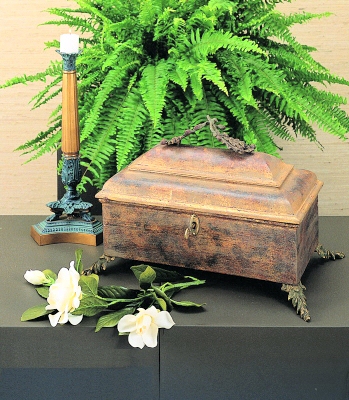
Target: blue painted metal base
pixel 68 230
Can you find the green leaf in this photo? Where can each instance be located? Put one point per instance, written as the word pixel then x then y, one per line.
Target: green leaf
pixel 90 306
pixel 138 269
pixel 162 298
pixel 112 319
pixel 147 277
pixel 171 288
pixel 117 292
pixel 89 284
pixel 35 312
pixel 162 275
pixel 78 261
pixel 43 291
pixel 186 303
pixel 175 287
pixel 162 303
pixel 50 274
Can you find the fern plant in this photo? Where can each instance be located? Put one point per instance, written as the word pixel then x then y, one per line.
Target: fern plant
pixel 150 69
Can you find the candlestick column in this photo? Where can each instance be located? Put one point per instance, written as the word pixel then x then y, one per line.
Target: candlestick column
pixel 69 50
pixel 70 120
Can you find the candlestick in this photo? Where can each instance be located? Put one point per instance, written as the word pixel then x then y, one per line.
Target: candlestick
pixel 72 221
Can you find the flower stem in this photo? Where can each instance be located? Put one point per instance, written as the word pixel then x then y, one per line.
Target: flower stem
pixel 163 296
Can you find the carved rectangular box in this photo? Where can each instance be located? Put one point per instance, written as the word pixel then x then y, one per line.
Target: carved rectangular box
pixel 215 210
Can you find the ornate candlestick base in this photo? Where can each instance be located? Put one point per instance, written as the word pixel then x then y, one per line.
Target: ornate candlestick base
pixel 72 221
pixel 67 230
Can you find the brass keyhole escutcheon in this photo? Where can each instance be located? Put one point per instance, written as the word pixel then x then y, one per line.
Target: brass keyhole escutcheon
pixel 193 228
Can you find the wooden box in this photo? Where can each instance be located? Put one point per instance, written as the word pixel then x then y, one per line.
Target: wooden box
pixel 215 210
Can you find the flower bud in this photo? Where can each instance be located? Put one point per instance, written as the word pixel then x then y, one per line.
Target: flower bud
pixel 35 277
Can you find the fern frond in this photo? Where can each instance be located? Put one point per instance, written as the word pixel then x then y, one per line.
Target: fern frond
pixel 219 8
pixel 259 130
pixel 207 106
pixel 68 18
pixel 275 124
pixel 177 116
pixel 165 23
pixel 87 6
pixel 178 75
pixel 111 81
pixel 149 9
pixel 44 95
pixel 277 26
pixel 152 86
pixel 303 17
pixel 46 142
pixel 54 69
pixel 55 115
pixel 43 135
pixel 175 122
pixel 269 78
pixel 100 155
pixel 201 46
pixel 329 119
pixel 120 50
pixel 236 108
pixel 133 115
pixel 154 135
pixel 296 70
pixel 205 70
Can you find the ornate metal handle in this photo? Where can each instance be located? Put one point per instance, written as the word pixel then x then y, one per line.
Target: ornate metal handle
pixel 193 228
pixel 236 145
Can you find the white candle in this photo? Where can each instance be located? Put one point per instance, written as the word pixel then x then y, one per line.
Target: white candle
pixel 69 43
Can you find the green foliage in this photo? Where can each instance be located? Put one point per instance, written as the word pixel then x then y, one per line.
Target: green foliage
pixel 157 286
pixel 35 312
pixel 43 291
pixel 150 69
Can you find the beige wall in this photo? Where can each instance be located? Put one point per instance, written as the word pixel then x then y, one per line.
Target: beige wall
pixel 25 189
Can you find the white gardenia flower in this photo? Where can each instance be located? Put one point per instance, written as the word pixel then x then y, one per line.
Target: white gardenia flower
pixel 64 296
pixel 35 277
pixel 143 327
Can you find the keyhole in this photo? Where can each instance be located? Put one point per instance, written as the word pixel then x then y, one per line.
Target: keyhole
pixel 193 227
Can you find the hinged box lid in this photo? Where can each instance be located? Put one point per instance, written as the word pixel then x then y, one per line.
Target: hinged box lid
pixel 215 181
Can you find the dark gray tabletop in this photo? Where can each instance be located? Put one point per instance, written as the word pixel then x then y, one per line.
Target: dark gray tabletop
pixel 248 337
